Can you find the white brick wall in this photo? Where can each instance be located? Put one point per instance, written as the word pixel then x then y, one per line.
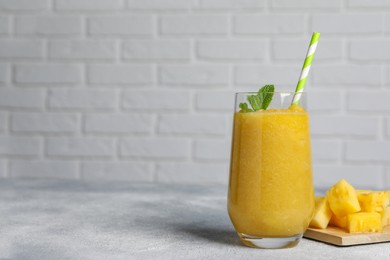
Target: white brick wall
pixel 48 73
pixel 118 124
pixel 268 24
pixel 178 148
pixel 198 24
pixel 120 74
pixel 82 99
pixel 87 5
pixel 197 75
pixel 20 146
pixel 21 98
pixel 21 49
pixel 4 24
pixel 44 122
pixel 82 49
pixel 48 25
pixel 143 90
pixel 80 147
pixel 159 4
pixel 158 100
pixel 156 50
pixel 3 73
pixel 348 23
pixel 23 5
pixel 114 25
pixel 231 49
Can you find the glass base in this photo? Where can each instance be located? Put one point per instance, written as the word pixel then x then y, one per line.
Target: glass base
pixel 270 242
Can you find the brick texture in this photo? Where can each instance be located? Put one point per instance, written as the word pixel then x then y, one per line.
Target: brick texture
pixel 155 147
pixel 114 25
pixel 196 124
pixel 21 49
pixel 21 98
pixel 118 124
pixel 347 23
pixel 194 24
pixel 120 74
pixel 233 49
pixel 44 122
pixel 48 73
pixel 4 24
pixel 4 71
pixel 82 99
pixel 231 4
pixel 80 147
pixel 82 49
pixel 87 5
pixel 143 90
pixel 205 75
pixel 159 4
pixel 20 146
pixel 48 25
pixel 268 24
pixel 156 100
pixel 23 5
pixel 156 50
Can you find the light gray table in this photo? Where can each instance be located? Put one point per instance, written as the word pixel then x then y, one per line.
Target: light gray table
pixel 46 219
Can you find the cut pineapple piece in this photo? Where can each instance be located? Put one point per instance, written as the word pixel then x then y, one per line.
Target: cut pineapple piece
pixel 343 199
pixel 338 222
pixel 386 216
pixel 373 201
pixel 364 222
pixel 322 213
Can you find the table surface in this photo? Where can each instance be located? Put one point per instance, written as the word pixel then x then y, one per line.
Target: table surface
pixel 49 219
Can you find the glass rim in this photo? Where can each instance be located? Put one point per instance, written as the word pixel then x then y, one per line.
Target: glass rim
pixel 275 92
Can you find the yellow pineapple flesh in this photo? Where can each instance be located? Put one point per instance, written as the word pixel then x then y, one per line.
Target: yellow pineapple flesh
pixel 338 222
pixel 364 222
pixel 343 199
pixel 386 216
pixel 322 213
pixel 373 201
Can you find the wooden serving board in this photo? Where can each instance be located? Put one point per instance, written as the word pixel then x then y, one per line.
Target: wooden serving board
pixel 339 237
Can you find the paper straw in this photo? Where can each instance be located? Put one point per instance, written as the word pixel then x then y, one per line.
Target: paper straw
pixel 306 68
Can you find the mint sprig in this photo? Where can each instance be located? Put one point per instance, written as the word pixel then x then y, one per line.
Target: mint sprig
pixel 244 107
pixel 259 101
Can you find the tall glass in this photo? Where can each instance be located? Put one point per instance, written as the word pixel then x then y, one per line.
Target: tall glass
pixel 271 194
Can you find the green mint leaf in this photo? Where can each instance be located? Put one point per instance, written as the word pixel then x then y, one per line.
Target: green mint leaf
pixel 266 94
pixel 255 102
pixel 259 101
pixel 244 107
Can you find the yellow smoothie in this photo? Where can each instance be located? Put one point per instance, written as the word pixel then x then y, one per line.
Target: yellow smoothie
pixel 271 190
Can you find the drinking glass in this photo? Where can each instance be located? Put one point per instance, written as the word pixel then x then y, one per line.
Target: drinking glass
pixel 271 194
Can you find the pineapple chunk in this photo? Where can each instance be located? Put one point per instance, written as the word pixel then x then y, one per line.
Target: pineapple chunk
pixel 364 222
pixel 386 216
pixel 338 222
pixel 322 213
pixel 373 200
pixel 343 199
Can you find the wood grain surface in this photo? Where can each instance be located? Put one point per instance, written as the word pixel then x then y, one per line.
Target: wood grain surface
pixel 339 237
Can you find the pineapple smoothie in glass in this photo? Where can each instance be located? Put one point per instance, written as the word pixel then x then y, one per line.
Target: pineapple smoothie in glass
pixel 271 193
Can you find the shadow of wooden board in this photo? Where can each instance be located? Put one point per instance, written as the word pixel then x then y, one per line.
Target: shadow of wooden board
pixel 337 236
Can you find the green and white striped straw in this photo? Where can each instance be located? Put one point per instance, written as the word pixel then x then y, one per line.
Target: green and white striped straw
pixel 306 68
